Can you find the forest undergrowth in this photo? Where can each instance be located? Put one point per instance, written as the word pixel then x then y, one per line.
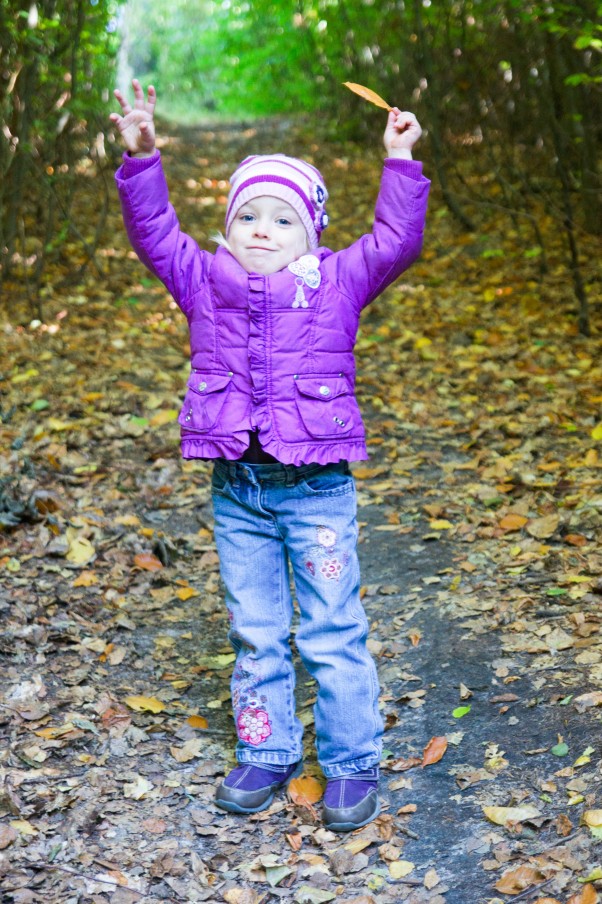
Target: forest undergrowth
pixel 481 515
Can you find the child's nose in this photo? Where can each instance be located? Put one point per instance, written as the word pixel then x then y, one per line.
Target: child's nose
pixel 261 227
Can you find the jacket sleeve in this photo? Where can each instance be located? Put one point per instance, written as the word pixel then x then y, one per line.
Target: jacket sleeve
pixel 154 231
pixel 373 262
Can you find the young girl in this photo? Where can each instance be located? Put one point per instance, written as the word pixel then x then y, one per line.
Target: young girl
pixel 273 318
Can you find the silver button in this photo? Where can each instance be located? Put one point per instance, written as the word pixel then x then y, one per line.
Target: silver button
pixel 324 390
pixel 202 386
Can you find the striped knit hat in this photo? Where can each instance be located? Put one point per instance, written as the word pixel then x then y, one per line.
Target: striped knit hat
pixel 292 180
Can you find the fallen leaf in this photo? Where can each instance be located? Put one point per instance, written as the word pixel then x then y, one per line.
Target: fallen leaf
pixel 407 763
pixel 197 722
pixel 542 528
pixel 587 895
pixel 513 522
pixel 154 826
pixel 592 818
pixel 147 561
pixel 145 704
pixel 400 868
pixel 305 790
pixel 8 834
pixel 501 815
pixel 586 701
pixel 189 751
pixel 23 827
pixel 186 593
pixel 433 751
pixel 137 789
pixel 516 880
pixel 242 896
pixel 307 894
pixel 295 840
pixel 431 879
pixel 85 579
pixel 80 551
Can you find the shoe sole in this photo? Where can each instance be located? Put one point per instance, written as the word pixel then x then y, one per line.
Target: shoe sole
pixel 233 807
pixel 351 826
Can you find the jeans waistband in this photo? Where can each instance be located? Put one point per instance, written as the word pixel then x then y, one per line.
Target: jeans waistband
pixel 289 475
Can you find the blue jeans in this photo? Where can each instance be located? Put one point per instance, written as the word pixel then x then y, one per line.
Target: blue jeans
pixel 268 516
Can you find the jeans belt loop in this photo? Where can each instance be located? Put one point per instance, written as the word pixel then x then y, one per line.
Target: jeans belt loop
pixel 291 475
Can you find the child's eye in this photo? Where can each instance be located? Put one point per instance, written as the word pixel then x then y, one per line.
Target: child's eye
pixel 247 218
pixel 282 221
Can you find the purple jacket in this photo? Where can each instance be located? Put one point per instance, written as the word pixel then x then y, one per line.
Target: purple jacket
pixel 258 360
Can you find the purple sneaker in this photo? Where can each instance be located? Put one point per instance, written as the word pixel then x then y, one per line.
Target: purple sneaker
pixel 248 788
pixel 351 801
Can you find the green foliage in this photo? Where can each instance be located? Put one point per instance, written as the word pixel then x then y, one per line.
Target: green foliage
pixel 56 68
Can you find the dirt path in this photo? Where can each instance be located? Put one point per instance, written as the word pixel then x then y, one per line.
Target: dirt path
pixel 480 511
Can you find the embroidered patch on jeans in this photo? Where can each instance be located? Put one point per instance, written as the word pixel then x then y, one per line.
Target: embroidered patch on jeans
pixel 331 569
pixel 326 536
pixel 254 726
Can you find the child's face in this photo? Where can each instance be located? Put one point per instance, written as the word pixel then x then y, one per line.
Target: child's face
pixel 267 235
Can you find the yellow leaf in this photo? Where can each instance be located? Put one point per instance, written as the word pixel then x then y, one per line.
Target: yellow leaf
pixel 305 790
pixel 21 378
pixel 55 731
pixel 23 827
pixel 128 520
pixel 594 875
pixel 184 593
pixel 592 818
pixel 58 426
pixel 441 524
pixel 422 342
pixel 597 432
pixel 145 704
pixel 368 95
pixel 198 722
pixel 356 845
pixel 80 551
pixel 400 868
pixel 501 815
pixel 585 758
pixel 163 417
pixel 513 522
pixel 85 579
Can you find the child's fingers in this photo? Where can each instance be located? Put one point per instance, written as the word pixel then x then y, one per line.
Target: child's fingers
pixel 122 101
pixel 404 121
pixel 151 98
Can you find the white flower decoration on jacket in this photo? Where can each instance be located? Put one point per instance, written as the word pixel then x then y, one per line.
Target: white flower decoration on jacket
pixel 307 273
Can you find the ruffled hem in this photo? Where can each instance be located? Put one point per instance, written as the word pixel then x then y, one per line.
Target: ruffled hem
pixel 299 454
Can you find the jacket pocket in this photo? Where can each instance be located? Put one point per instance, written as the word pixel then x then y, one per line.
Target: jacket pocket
pixel 325 404
pixel 205 399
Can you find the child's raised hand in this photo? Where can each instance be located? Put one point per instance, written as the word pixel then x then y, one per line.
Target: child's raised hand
pixel 401 134
pixel 136 125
